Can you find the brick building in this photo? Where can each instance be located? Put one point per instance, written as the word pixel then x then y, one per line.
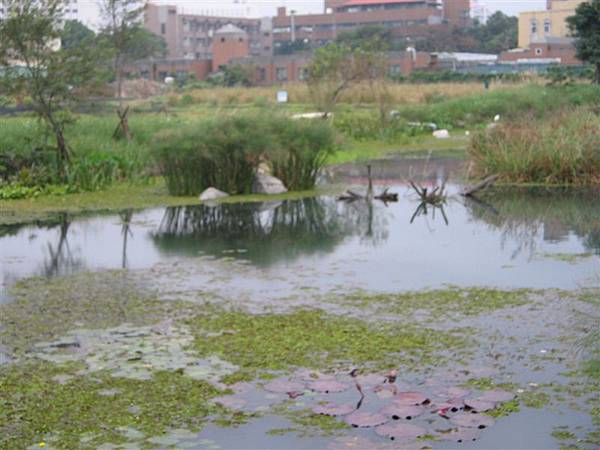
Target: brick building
pixel 559 50
pixel 202 44
pixel 190 36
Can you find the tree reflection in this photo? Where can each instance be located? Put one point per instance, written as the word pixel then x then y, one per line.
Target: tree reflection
pixel 59 258
pixel 527 215
pixel 125 217
pixel 266 233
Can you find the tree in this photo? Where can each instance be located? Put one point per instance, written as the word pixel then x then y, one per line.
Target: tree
pixel 335 67
pixel 74 33
pixel 32 63
pixel 585 28
pixel 124 35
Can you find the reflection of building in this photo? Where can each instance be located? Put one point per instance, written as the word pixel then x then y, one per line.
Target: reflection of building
pixel 544 35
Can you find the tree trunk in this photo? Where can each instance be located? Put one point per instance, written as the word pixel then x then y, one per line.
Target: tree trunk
pixel 598 73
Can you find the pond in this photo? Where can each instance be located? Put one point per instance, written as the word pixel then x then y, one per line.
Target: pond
pixel 512 276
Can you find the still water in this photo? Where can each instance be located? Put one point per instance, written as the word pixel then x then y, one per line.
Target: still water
pixel 534 238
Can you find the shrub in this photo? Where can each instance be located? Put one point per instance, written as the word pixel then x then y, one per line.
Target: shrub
pixel 561 149
pixel 302 146
pixel 222 153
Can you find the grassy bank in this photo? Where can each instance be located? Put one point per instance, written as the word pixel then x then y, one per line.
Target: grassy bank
pixel 559 149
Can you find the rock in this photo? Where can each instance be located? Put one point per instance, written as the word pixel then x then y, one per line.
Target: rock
pixel 212 194
pixel 267 184
pixel 441 134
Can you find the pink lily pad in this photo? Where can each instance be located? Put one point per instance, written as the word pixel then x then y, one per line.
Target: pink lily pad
pixel 385 391
pixel 471 420
pixel 411 398
pixel 397 411
pixel 479 405
pixel 328 386
pixel 453 405
pixel 331 409
pixel 283 387
pixel 399 430
pixel 230 402
pixel 360 419
pixel 453 392
pixel 370 379
pixel 458 434
pixel 496 395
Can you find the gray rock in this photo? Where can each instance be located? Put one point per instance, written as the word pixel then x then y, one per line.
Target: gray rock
pixel 212 194
pixel 268 184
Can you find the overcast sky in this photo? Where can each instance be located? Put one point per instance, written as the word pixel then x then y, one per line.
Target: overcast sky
pixel 256 8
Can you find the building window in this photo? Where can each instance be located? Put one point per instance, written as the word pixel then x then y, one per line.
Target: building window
pixel 547 26
pixel 222 39
pixel 262 74
pixel 281 74
pixel 302 73
pixel 163 28
pixel 534 26
pixel 395 70
pixel 241 39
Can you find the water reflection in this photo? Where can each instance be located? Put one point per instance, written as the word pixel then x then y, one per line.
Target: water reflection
pixel 530 215
pixel 266 233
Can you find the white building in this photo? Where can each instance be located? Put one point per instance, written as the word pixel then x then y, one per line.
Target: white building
pixel 72 11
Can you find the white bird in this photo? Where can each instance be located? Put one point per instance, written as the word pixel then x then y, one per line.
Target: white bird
pixel 497 118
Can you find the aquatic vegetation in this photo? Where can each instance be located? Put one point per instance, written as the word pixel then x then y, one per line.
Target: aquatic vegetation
pixel 438 303
pixel 46 309
pixel 33 405
pixel 310 338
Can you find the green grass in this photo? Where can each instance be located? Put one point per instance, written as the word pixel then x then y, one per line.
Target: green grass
pixel 477 110
pixel 113 199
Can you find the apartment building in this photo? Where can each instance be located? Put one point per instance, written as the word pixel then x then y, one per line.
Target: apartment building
pixel 536 26
pixel 191 36
pixel 71 10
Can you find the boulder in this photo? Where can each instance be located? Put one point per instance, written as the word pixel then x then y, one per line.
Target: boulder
pixel 212 194
pixel 441 134
pixel 268 184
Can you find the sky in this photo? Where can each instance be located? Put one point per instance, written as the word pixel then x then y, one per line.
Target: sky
pixel 257 8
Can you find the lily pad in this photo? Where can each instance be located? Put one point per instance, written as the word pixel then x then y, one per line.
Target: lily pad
pixel 230 401
pixel 370 379
pixel 479 405
pixel 328 386
pixel 397 411
pixel 453 392
pixel 459 434
pixel 331 409
pixel 453 405
pixel 471 420
pixel 497 396
pixel 411 398
pixel 400 431
pixel 283 387
pixel 360 419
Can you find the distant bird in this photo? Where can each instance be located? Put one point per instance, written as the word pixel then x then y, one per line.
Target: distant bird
pixel 497 118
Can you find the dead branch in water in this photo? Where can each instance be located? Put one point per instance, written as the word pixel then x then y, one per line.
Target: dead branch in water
pixel 470 190
pixel 436 197
pixel 385 196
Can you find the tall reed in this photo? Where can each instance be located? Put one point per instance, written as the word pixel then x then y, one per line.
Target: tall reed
pixel 563 148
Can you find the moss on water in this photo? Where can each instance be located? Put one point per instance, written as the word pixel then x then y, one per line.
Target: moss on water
pixel 33 406
pixel 312 339
pixel 44 309
pixel 439 303
pixel 307 423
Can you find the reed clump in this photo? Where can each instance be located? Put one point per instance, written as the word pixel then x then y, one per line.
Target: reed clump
pixel 225 152
pixel 563 148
